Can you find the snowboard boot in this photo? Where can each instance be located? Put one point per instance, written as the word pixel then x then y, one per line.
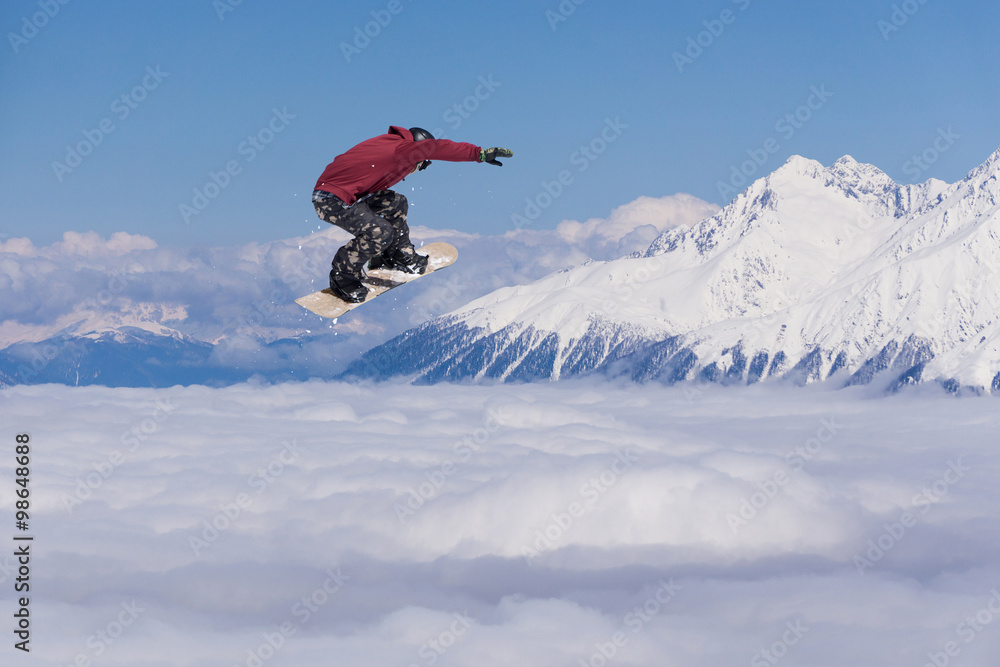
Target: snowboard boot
pixel 394 260
pixel 347 287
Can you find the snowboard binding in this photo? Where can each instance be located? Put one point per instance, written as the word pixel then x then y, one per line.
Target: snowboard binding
pixel 394 260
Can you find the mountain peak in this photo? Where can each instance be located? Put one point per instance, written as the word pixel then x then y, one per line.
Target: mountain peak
pixel 846 172
pixel 845 169
pixel 848 166
pixel 990 167
pixel 802 166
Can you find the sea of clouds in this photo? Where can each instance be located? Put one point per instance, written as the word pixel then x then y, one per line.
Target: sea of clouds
pixel 548 525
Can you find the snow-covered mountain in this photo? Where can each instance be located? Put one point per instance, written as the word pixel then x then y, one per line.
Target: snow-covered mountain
pixel 811 272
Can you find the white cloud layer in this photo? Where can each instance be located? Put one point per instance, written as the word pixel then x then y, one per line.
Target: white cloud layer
pixel 634 226
pixel 531 525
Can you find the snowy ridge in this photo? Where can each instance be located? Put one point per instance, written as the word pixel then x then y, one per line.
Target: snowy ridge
pixel 810 272
pixel 96 323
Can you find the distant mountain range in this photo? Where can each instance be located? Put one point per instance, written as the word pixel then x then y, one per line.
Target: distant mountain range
pixel 132 348
pixel 124 357
pixel 811 274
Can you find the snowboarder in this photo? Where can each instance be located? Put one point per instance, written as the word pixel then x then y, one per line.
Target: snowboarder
pixel 353 193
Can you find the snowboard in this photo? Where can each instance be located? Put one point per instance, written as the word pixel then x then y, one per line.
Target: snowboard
pixel 379 281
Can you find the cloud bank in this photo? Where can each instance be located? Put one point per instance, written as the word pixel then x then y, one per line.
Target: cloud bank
pixel 537 525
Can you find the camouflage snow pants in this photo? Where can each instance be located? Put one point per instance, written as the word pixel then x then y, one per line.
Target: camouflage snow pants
pixel 378 223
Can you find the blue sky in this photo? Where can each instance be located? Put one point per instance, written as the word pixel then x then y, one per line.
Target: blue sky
pixel 200 81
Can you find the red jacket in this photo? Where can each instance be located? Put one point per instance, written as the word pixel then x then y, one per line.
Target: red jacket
pixel 383 161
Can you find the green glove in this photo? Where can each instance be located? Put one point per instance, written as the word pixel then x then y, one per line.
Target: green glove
pixel 491 154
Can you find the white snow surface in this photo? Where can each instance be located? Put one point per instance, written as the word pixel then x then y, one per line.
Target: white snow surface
pixel 841 258
pixel 550 524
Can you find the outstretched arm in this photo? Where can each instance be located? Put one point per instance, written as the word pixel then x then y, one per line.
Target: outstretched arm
pixel 439 149
pixel 453 151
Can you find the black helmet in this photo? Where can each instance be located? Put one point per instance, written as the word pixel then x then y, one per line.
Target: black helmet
pixel 420 134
